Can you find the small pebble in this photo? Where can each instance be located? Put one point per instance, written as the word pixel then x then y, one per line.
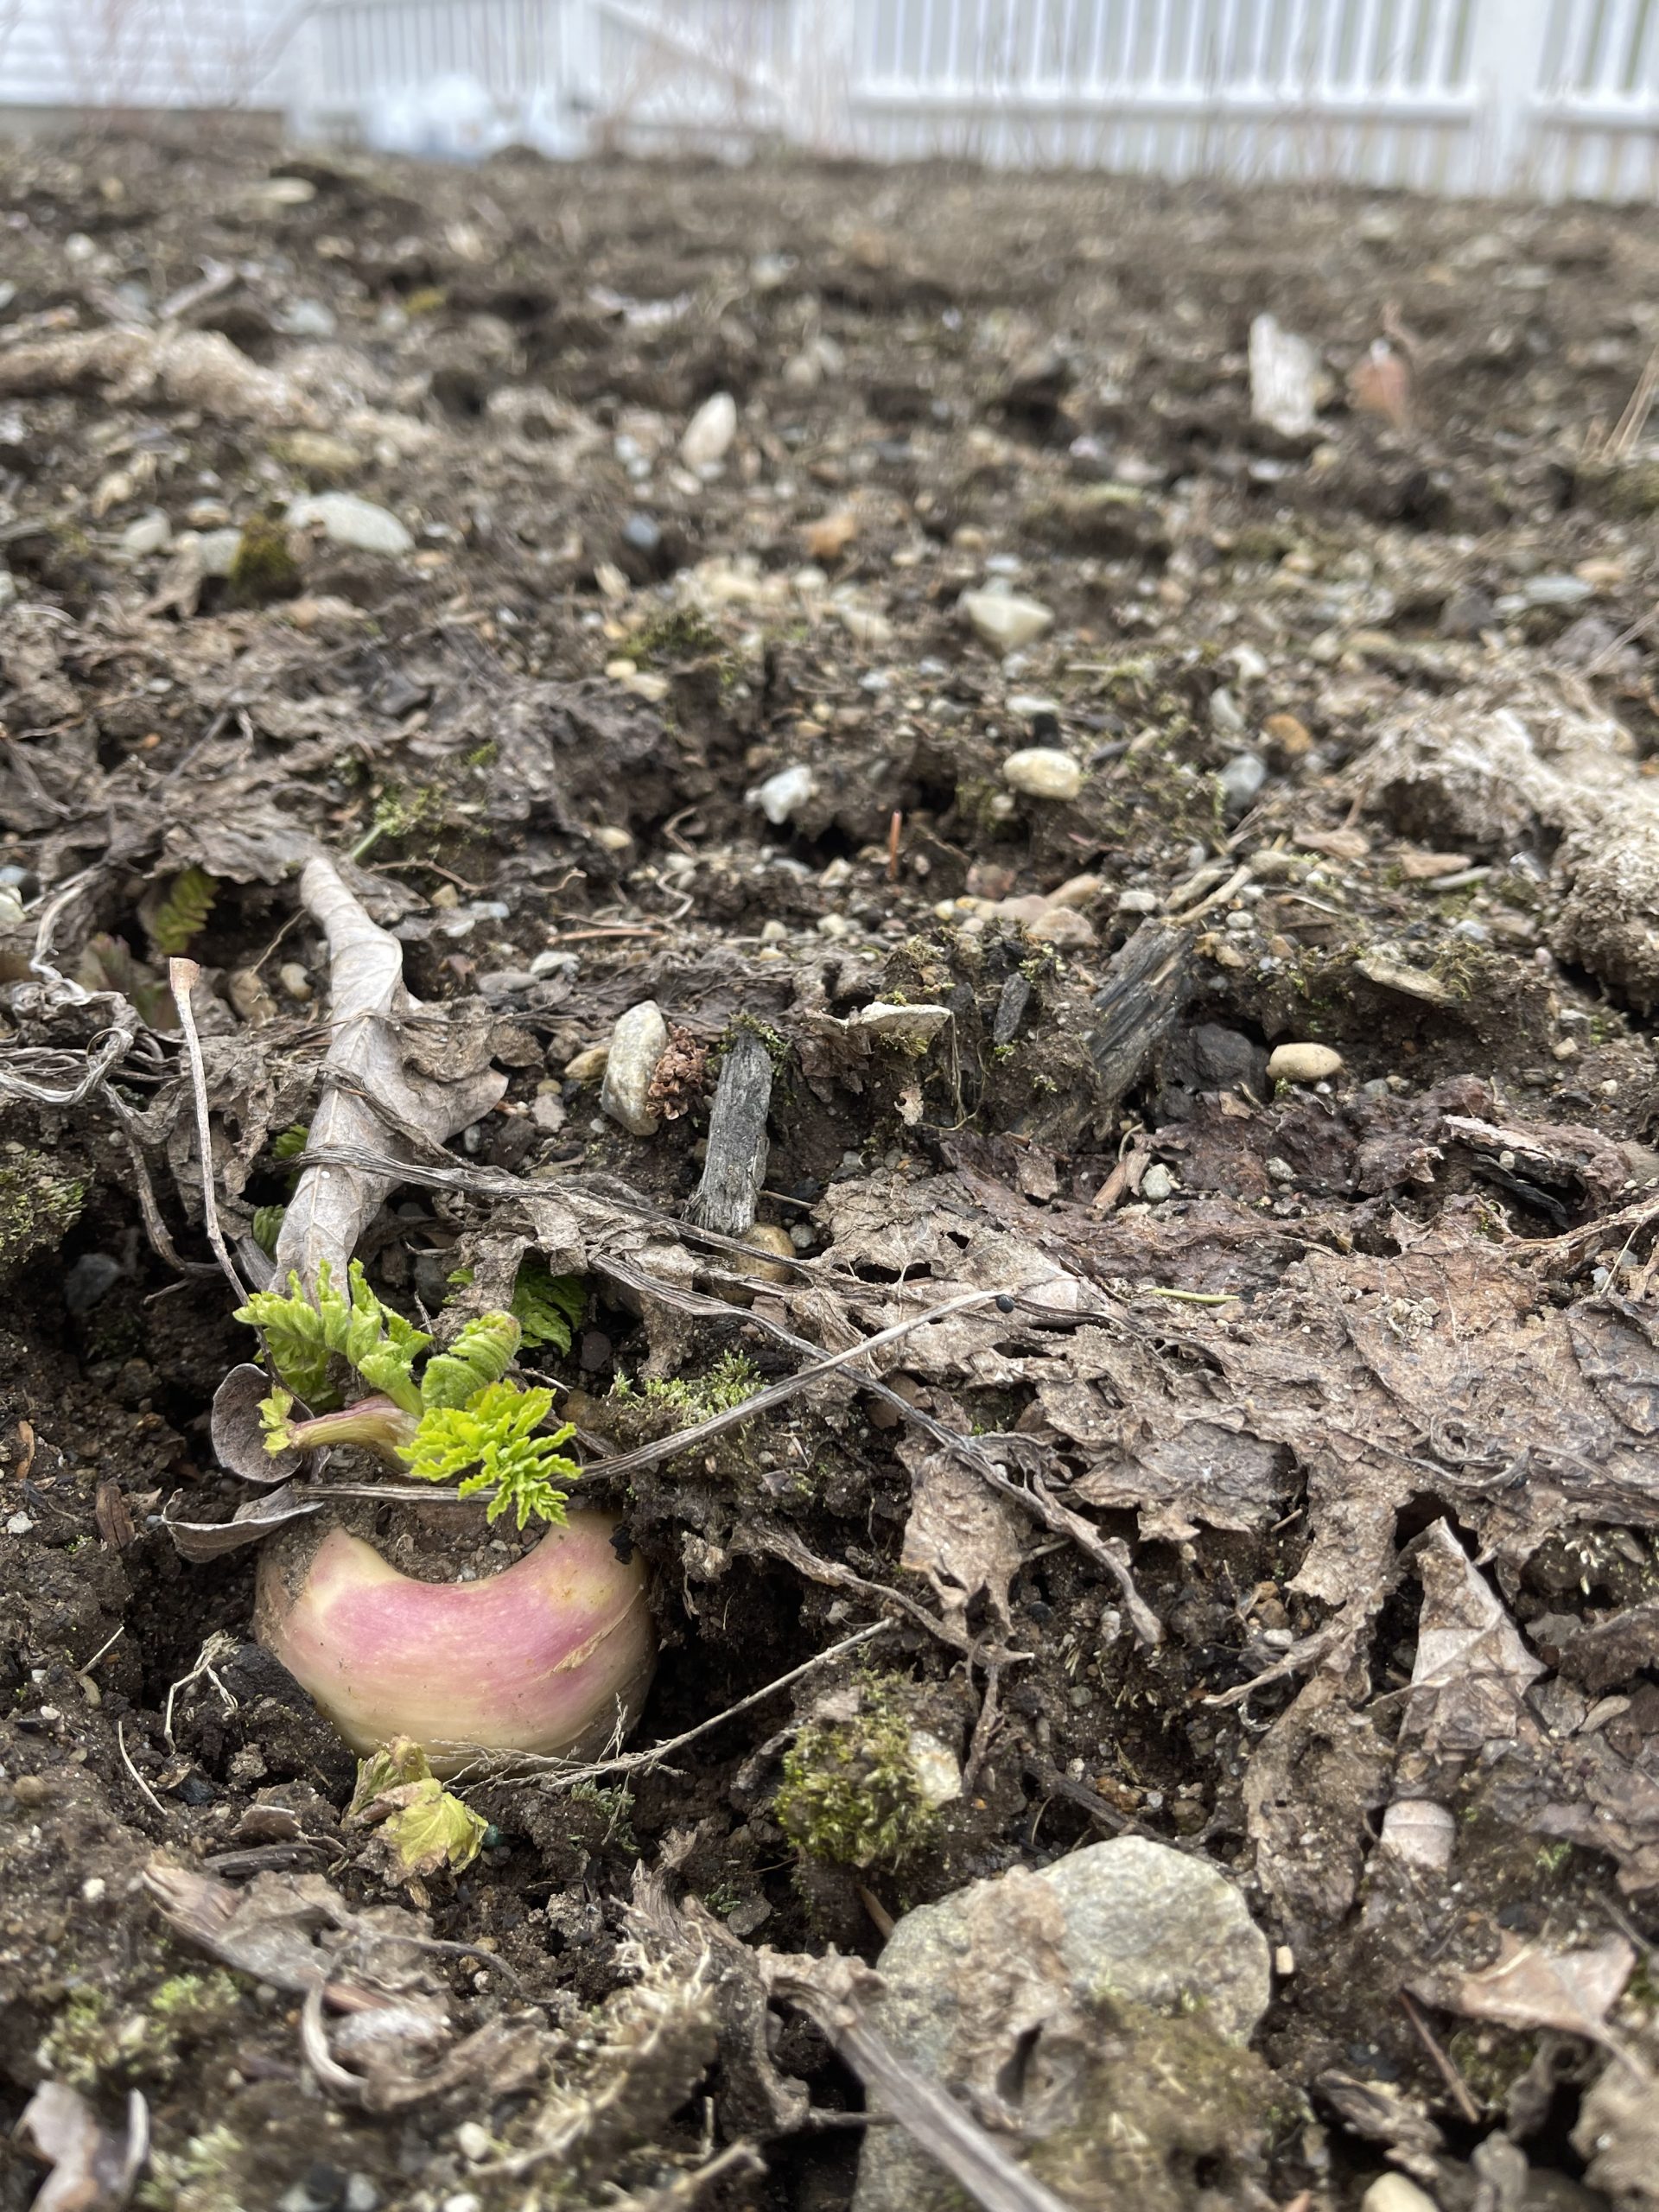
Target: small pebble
pixel 907 1024
pixel 1241 779
pixel 773 932
pixel 93 1889
pixel 783 795
pixel 1303 1064
pixel 295 981
pixel 1138 902
pixel 463 2200
pixel 472 2141
pixel 345 519
pixel 1043 771
pixel 1157 1184
pixel 1394 2193
pixel 1063 926
pixel 149 534
pixel 588 1065
pixel 362 2193
pixel 1077 891
pixel 1288 736
pixel 1004 620
pixel 774 1246
pixel 709 435
pixel 638 1043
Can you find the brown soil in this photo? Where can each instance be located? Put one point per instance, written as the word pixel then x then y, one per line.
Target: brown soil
pixel 1045 375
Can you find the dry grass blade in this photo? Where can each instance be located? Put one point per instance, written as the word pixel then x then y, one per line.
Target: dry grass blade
pixel 550 1774
pixel 1621 440
pixel 182 977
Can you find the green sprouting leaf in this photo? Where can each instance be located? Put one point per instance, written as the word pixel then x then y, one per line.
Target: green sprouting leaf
pixel 496 1434
pixel 291 1143
pixel 422 1826
pixel 273 1418
pixel 547 1307
pixel 267 1228
pixel 302 1336
pixel 481 1355
pixel 182 915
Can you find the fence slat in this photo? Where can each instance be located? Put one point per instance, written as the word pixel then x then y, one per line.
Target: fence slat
pixel 1491 95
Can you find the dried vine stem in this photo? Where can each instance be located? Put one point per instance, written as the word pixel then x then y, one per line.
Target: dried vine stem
pixel 371 1093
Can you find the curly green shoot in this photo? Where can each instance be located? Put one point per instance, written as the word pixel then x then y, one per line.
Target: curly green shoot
pixel 461 1413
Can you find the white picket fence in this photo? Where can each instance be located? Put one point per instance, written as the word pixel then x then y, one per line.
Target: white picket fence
pixel 1546 96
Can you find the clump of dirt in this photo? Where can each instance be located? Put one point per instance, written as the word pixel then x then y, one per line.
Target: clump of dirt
pixel 1183 1360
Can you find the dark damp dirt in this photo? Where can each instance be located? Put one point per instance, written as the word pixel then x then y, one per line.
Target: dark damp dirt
pixel 541 728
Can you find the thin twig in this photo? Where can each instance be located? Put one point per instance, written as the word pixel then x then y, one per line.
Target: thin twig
pixel 830 1992
pixel 182 977
pixel 1449 2072
pixel 630 1762
pixel 126 1761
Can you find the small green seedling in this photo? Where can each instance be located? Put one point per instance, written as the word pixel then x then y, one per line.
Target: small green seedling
pixel 459 1413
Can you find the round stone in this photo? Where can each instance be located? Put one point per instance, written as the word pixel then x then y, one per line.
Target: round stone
pixel 1304 1063
pixel 1043 771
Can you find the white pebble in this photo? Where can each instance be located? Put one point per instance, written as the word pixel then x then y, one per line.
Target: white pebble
pixel 710 433
pixel 783 794
pixel 1392 2193
pixel 1303 1064
pixel 908 1024
pixel 1157 1184
pixel 1005 619
pixel 345 519
pixel 1043 771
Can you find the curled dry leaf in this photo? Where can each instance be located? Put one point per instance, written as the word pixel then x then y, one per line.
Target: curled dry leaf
pixel 962 1536
pixel 94 2168
pixel 1530 1987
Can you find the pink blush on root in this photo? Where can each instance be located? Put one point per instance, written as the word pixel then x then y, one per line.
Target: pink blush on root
pixel 552 1655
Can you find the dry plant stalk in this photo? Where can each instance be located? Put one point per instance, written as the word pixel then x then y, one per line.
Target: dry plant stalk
pixel 370 1097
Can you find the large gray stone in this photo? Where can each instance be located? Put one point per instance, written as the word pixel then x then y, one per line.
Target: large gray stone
pixel 1056 1962
pixel 1161 1928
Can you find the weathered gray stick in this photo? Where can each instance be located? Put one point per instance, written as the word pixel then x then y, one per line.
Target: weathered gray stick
pixel 736 1165
pixel 1135 1008
pixel 829 1990
pixel 365 1068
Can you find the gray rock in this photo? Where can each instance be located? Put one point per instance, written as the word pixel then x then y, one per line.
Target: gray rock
pixel 1241 779
pixel 1137 1924
pixel 345 519
pixel 1224 1056
pixel 638 1043
pixel 149 534
pixel 216 551
pixel 1152 1926
pixel 1157 1185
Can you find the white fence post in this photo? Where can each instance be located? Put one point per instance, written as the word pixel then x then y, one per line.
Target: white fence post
pixel 579 50
pixel 1506 64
